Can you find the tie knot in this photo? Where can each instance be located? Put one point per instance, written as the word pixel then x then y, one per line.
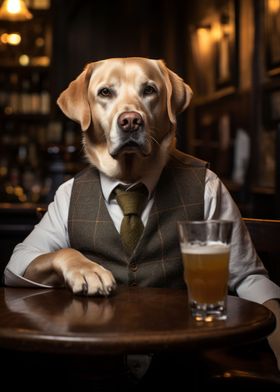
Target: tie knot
pixel 132 201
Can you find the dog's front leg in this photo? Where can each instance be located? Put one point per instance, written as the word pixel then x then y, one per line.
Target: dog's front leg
pixel 68 267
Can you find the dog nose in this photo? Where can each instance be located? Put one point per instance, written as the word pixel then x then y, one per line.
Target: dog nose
pixel 130 121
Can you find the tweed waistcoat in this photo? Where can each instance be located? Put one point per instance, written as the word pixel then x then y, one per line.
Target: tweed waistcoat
pixel 156 260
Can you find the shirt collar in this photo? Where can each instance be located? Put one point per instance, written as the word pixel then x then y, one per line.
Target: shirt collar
pixel 108 184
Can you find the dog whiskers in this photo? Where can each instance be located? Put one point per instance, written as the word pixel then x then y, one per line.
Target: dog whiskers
pixel 154 139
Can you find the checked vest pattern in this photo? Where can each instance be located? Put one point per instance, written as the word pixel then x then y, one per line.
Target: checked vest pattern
pixel 156 259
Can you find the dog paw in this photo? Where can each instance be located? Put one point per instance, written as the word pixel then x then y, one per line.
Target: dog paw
pixel 91 281
pixel 83 276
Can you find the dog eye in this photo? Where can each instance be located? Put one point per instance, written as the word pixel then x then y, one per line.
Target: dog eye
pixel 105 92
pixel 149 90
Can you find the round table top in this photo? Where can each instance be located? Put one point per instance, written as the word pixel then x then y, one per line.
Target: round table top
pixel 133 320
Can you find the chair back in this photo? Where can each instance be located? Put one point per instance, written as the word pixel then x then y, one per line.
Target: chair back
pixel 265 234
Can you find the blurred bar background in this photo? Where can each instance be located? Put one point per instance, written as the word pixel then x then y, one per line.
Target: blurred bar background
pixel 228 51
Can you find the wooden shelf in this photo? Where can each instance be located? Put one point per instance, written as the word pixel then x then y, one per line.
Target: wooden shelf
pixel 25 117
pixel 209 99
pixel 264 190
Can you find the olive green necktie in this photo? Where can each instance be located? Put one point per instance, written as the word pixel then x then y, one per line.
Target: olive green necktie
pixel 132 202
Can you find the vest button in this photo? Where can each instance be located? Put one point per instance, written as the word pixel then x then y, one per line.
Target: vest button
pixel 132 284
pixel 133 267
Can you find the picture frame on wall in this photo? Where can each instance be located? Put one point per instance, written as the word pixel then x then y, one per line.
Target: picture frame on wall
pixel 214 140
pixel 272 36
pixel 226 46
pixel 275 106
pixel 272 107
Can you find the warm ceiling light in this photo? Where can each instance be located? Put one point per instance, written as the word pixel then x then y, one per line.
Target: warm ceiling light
pixel 14 10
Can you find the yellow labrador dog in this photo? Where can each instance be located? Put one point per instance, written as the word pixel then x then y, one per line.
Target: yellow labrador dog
pixel 127 110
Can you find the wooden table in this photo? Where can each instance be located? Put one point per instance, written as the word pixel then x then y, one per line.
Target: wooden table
pixel 134 320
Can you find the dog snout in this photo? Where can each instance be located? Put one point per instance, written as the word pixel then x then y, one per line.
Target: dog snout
pixel 130 121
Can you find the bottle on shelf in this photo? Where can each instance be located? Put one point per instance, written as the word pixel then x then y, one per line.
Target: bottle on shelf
pixel 13 188
pixel 3 93
pixel 45 96
pixel 35 93
pixel 4 163
pixel 14 155
pixel 54 162
pixel 13 106
pixel 25 96
pixel 31 177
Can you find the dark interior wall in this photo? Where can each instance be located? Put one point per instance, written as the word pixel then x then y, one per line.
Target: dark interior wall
pixel 86 31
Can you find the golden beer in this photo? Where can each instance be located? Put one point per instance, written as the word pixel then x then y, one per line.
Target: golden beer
pixel 206 271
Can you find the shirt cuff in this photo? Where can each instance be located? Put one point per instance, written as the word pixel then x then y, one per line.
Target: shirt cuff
pixel 258 288
pixel 14 280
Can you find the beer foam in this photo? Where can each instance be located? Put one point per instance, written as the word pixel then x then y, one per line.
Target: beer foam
pixel 202 248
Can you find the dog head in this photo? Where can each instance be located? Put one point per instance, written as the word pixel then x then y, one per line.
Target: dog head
pixel 127 110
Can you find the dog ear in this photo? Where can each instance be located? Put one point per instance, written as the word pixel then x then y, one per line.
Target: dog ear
pixel 178 92
pixel 74 100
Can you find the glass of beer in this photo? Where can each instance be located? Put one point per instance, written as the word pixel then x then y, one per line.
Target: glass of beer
pixel 205 248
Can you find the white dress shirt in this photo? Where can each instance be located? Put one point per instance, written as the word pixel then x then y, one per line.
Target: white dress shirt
pixel 247 276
